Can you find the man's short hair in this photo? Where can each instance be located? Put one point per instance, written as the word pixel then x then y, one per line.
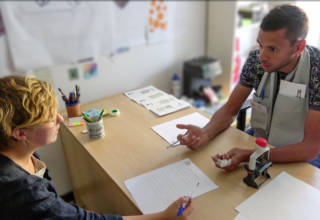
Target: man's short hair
pixel 287 16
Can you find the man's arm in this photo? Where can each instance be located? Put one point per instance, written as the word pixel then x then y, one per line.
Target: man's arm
pixel 306 150
pixel 196 137
pixel 223 118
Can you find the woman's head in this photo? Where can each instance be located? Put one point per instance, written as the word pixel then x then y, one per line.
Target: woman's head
pixel 25 102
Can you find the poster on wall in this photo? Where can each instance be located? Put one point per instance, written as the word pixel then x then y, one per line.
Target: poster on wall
pixel 160 14
pixel 129 22
pixel 90 70
pixel 46 33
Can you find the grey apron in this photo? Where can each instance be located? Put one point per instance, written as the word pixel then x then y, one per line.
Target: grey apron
pixel 285 125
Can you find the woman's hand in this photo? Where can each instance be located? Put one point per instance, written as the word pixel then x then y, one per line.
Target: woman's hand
pixel 171 212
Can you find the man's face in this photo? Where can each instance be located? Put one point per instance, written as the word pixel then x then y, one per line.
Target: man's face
pixel 276 52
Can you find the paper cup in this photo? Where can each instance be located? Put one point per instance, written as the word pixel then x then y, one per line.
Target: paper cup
pixel 95 129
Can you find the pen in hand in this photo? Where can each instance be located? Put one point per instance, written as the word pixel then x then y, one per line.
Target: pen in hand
pixel 185 204
pixel 181 209
pixel 174 144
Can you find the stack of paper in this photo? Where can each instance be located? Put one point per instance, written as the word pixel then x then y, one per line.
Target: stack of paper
pixel 156 100
pixel 156 190
pixel 285 197
pixel 169 131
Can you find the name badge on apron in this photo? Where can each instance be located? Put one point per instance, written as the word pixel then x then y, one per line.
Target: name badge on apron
pixel 291 89
pixel 259 106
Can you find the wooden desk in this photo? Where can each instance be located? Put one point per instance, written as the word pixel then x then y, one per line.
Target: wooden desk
pixel 98 168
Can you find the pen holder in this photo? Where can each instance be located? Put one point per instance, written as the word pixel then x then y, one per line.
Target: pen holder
pixel 73 110
pixel 95 129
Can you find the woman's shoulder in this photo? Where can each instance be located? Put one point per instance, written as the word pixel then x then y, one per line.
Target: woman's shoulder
pixel 9 170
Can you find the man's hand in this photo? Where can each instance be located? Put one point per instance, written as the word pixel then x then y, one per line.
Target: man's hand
pixel 194 138
pixel 236 155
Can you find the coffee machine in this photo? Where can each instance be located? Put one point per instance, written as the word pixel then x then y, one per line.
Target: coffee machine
pixel 198 74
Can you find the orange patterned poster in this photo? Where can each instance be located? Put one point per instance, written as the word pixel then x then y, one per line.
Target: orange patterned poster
pixel 157 20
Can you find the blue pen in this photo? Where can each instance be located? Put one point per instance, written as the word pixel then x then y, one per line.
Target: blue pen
pixel 262 94
pixel 184 204
pixel 181 209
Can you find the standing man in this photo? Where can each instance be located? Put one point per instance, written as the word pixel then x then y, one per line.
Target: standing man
pixel 285 74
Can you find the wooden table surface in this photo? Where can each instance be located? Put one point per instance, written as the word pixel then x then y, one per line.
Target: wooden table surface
pixel 98 168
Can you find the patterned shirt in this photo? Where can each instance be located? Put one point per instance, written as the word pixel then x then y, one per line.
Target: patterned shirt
pixel 252 73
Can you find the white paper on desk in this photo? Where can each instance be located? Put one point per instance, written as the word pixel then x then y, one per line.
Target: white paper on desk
pixel 138 95
pixel 167 105
pixel 285 197
pixel 240 217
pixel 156 100
pixel 156 190
pixel 169 131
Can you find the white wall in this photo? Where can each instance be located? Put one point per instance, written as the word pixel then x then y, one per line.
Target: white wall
pixel 312 10
pixel 142 65
pixel 221 33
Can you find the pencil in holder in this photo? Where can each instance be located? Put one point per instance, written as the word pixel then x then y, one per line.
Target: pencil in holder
pixel 95 128
pixel 73 110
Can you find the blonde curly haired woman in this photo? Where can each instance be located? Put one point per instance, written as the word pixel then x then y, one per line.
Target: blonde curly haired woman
pixel 28 121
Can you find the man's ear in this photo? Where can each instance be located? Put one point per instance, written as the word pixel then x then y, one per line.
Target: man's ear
pixel 19 134
pixel 300 45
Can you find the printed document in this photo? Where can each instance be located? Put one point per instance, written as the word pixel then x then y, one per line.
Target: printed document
pixel 156 100
pixel 156 190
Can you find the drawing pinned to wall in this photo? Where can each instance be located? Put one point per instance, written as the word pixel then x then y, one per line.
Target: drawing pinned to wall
pixel 73 73
pixel 90 70
pixel 129 25
pixel 158 21
pixel 51 41
pixel 157 16
pixel 121 3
